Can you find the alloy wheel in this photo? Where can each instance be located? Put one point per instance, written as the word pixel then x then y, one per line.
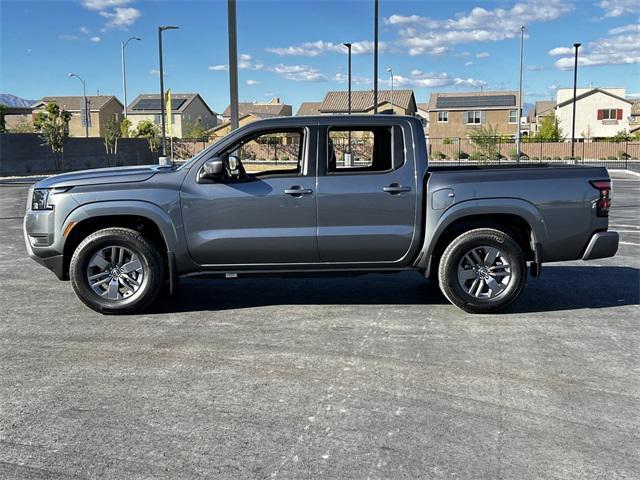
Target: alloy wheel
pixel 115 273
pixel 484 272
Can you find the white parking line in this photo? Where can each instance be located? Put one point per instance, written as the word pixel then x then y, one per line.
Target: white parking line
pixel 623 226
pixel 630 243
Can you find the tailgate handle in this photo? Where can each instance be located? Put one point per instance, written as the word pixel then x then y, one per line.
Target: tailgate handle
pixel 396 188
pixel 298 191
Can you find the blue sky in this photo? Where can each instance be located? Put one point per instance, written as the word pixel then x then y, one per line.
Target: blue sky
pixel 291 49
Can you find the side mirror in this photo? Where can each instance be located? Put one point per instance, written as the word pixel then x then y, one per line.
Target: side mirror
pixel 212 169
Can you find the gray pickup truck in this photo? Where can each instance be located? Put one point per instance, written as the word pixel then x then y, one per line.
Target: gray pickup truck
pixel 338 194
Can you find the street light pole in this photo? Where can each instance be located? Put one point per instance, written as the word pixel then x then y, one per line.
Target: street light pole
pixel 84 98
pixel 391 73
pixel 164 134
pixel 575 86
pixel 518 135
pixel 375 56
pixel 348 45
pixel 123 44
pixel 233 63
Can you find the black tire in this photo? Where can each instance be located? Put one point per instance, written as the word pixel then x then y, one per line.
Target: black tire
pixel 134 242
pixel 455 289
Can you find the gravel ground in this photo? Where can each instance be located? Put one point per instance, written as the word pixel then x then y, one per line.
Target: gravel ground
pixel 366 377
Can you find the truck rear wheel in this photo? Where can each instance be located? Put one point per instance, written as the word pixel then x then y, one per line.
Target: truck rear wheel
pixel 116 271
pixel 482 271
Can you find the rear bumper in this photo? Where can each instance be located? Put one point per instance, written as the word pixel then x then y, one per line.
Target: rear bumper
pixel 601 245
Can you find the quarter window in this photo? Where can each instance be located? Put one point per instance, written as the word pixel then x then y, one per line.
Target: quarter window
pixel 443 117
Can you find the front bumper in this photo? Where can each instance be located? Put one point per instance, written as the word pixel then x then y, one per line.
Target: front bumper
pixel 38 225
pixel 601 245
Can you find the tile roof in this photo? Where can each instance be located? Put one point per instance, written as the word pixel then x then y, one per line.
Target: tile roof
pixel 541 108
pixel 261 110
pixel 496 100
pixel 309 108
pixel 362 101
pixel 74 104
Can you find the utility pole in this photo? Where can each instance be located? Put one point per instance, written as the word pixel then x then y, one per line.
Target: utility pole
pixel 391 73
pixel 518 135
pixel 575 86
pixel 123 45
pixel 348 45
pixel 375 56
pixel 85 114
pixel 233 63
pixel 164 133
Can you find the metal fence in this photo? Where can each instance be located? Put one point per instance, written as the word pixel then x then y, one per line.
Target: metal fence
pixel 498 150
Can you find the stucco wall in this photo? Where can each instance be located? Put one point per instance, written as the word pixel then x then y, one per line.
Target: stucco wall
pixel 587 123
pixel 457 126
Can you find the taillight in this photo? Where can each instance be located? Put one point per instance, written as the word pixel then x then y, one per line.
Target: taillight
pixel 604 202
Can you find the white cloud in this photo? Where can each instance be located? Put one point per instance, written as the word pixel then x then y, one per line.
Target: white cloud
pixel 103 4
pixel 482 55
pixel 299 73
pixel 534 68
pixel 614 50
pixel 425 35
pixel 355 79
pixel 631 28
pixel 246 62
pixel 218 68
pixel 84 30
pixel 617 8
pixel 468 64
pixel 121 18
pixel 554 52
pixel 252 82
pixel 420 79
pixel 313 49
pixel 67 37
pixel 95 39
pixel 154 71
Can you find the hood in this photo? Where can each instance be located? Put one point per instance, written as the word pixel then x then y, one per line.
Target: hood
pixel 103 175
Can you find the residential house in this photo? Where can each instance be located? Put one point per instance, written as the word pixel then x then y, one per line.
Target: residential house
pixel 423 114
pixel 250 112
pixel 17 116
pixel 308 109
pixel 102 110
pixel 600 112
pixel 187 109
pixel 398 102
pixel 540 110
pixel 456 115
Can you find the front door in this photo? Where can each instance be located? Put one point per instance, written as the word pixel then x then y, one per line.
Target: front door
pixel 366 195
pixel 264 215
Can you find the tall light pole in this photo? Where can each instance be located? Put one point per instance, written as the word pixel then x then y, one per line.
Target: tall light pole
pixel 233 63
pixel 375 56
pixel 390 70
pixel 520 93
pixel 84 101
pixel 348 45
pixel 575 86
pixel 164 133
pixel 123 45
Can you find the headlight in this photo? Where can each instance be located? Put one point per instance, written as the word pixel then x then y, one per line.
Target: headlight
pixel 40 199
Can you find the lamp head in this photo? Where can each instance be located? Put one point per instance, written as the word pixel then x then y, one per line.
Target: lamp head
pixel 168 27
pixel 348 45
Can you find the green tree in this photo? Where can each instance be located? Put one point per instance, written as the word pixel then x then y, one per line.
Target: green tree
pixel 149 130
pixel 125 128
pixel 110 138
pixel 53 127
pixel 196 131
pixel 550 130
pixel 486 138
pixel 621 136
pixel 3 125
pixel 22 127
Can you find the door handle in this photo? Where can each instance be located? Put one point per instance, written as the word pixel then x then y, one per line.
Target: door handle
pixel 396 188
pixel 297 191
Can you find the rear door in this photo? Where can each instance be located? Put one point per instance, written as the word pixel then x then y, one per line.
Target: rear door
pixel 366 192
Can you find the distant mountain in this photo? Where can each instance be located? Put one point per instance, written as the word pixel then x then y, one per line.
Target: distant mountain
pixel 13 101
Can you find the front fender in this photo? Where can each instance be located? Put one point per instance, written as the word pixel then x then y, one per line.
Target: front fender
pixel 134 208
pixel 436 225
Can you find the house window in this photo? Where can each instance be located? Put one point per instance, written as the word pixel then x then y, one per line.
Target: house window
pixel 610 114
pixel 443 117
pixel 513 116
pixel 474 117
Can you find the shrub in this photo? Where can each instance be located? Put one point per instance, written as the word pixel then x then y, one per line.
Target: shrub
pixel 439 155
pixel 546 158
pixel 285 158
pixel 557 157
pixel 612 157
pixel 461 155
pixel 622 155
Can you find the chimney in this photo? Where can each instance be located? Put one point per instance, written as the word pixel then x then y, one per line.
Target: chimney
pixel 275 100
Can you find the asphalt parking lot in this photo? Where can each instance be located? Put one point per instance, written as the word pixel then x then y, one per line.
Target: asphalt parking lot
pixel 366 377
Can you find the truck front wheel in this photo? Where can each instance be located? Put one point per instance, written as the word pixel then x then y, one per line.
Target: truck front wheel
pixel 116 271
pixel 482 271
